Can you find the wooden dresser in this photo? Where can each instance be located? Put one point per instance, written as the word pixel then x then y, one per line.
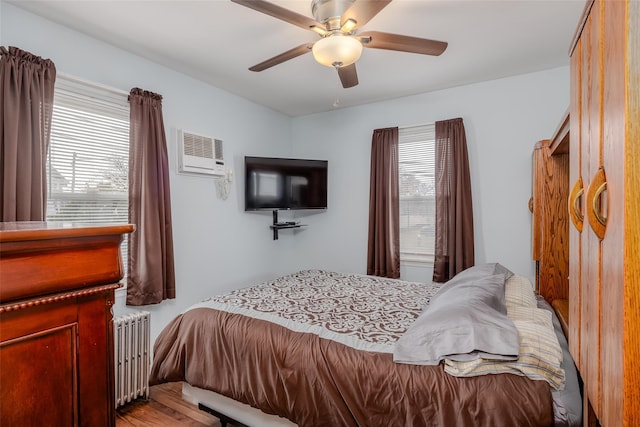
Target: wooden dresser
pixel 604 262
pixel 57 286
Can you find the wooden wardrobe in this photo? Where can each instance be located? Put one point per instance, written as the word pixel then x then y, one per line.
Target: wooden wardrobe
pixel 604 206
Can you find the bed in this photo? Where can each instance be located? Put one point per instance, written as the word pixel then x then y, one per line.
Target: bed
pixel 317 348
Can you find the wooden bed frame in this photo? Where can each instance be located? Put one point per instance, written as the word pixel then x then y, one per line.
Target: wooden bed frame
pixel 550 234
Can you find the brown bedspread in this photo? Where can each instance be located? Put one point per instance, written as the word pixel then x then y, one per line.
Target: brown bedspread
pixel 315 381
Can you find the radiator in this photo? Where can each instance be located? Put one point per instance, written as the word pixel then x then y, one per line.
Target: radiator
pixel 131 361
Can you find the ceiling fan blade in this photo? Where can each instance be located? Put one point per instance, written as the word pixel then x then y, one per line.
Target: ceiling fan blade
pixel 281 13
pixel 348 76
pixel 363 10
pixel 389 41
pixel 285 56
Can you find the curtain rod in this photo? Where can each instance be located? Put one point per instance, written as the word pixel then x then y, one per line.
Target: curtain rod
pixel 94 84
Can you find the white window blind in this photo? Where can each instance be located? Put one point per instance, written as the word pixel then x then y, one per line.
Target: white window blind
pixel 88 158
pixel 416 166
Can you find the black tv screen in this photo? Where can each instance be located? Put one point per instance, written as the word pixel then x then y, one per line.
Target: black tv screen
pixel 279 183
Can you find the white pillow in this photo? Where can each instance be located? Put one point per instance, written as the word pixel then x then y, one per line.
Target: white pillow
pixel 518 292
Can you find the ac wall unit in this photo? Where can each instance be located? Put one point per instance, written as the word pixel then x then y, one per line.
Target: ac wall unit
pixel 199 154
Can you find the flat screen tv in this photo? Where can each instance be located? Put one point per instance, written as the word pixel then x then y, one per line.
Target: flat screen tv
pixel 278 184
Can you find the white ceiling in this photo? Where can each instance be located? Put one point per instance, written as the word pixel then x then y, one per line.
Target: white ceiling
pixel 216 41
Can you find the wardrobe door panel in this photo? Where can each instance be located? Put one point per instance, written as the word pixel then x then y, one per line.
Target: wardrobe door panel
pixel 631 296
pixel 576 203
pixel 592 51
pixel 613 118
pixel 584 339
pixel 585 44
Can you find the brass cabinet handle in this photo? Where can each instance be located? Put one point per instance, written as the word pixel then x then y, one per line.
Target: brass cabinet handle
pixel 576 208
pixel 597 219
pixel 575 213
pixel 596 209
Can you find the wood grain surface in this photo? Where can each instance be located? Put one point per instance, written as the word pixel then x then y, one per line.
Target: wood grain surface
pixel 604 302
pixel 631 295
pixel 165 407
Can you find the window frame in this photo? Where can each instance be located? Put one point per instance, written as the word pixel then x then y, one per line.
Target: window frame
pixel 109 107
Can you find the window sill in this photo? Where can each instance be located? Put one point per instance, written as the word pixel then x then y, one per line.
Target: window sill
pixel 416 258
pixel 417 263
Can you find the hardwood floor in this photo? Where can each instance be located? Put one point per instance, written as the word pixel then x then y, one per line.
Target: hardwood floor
pixel 165 407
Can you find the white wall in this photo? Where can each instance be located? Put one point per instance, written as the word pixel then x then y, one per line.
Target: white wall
pixel 220 247
pixel 503 120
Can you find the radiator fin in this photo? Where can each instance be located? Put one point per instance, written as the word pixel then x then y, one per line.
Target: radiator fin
pixel 131 359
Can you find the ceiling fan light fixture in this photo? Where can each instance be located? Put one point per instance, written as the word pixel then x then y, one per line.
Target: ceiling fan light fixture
pixel 337 50
pixel 348 26
pixel 318 30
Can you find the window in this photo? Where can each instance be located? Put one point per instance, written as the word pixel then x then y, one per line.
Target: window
pixel 88 158
pixel 416 166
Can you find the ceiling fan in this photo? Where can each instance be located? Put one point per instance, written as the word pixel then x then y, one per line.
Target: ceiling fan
pixel 338 23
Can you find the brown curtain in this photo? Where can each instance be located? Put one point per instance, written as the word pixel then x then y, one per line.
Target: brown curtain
pixel 383 257
pixel 454 247
pixel 26 105
pixel 151 276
